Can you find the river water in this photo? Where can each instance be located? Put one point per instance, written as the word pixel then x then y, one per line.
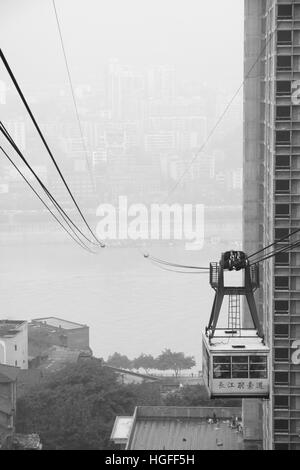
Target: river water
pixel 130 305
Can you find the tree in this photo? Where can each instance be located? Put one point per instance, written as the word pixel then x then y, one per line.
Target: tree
pixel 144 361
pixel 175 361
pixel 119 360
pixel 75 408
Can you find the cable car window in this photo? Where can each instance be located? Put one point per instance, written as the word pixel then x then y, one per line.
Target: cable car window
pixel 240 371
pixel 221 367
pixel 240 367
pixel 258 359
pixel 222 371
pixel 238 359
pixel 258 367
pixel 222 359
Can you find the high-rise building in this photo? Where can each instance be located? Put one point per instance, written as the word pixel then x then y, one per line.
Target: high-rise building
pixel 272 201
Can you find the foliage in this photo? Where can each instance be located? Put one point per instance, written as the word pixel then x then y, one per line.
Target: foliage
pixel 144 361
pixel 175 361
pixel 119 360
pixel 75 408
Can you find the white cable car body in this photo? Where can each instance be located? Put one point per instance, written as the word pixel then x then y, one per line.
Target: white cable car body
pixel 235 360
pixel 235 366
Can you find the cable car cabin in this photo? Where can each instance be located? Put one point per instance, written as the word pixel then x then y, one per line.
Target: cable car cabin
pixel 235 366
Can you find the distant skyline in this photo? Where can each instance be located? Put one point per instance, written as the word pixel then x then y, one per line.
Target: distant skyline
pixel 203 42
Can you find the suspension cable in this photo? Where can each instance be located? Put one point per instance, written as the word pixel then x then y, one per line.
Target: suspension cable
pixel 78 240
pixel 21 95
pixel 6 134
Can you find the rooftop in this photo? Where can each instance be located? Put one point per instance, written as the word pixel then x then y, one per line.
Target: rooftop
pixel 10 328
pixel 121 430
pixel 57 357
pixel 150 378
pixel 180 428
pixel 59 323
pixel 248 341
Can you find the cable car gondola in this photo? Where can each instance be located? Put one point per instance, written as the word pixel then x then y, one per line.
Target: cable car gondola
pixel 235 360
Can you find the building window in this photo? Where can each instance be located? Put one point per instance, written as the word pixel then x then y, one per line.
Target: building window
pixel 281 378
pixel 281 331
pixel 281 402
pixel 284 37
pixel 282 259
pixel 282 186
pixel 16 347
pixel 284 62
pixel 282 210
pixel 281 425
pixel 283 88
pixel 282 282
pixel 283 161
pixel 283 113
pixel 285 12
pixel 281 355
pixel 282 234
pixel 282 307
pixel 281 446
pixel 283 137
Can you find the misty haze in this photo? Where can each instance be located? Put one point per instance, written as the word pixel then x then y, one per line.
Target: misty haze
pixel 126 94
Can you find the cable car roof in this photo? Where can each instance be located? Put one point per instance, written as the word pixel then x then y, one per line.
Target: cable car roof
pixel 223 341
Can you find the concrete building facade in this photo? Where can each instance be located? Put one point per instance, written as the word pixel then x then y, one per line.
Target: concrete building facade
pixel 14 343
pixel 272 199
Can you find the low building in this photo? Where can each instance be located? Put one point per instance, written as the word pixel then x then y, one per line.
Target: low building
pixel 56 331
pixel 179 428
pixel 14 343
pixel 8 398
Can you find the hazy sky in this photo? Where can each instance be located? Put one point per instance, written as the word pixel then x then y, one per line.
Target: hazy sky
pixel 202 39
